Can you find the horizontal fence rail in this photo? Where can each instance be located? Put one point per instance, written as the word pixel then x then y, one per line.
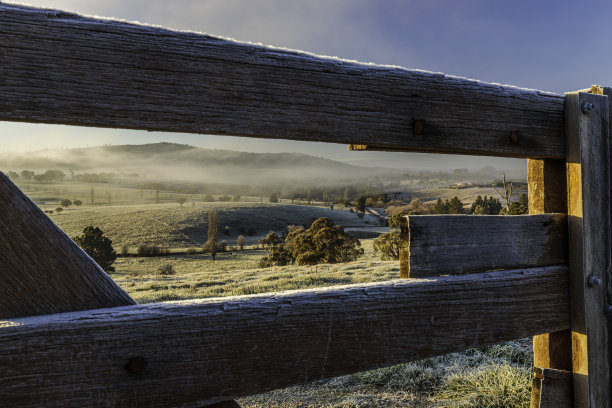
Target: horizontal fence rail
pixel 208 350
pixel 59 67
pixel 434 245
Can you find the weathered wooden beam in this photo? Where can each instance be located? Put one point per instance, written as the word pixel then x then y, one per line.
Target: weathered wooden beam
pixel 552 388
pixel 434 245
pixel 43 271
pixel 202 351
pixel 547 192
pixel 588 186
pixel 59 67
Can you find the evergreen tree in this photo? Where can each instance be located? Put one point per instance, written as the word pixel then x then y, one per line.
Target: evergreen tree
pixel 455 206
pixel 477 202
pixel 491 205
pixel 98 247
pixel 441 207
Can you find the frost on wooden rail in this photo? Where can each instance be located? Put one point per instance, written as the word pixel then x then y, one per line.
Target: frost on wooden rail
pixel 209 350
pixel 63 68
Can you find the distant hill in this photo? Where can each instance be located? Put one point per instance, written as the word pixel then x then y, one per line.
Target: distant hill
pixel 178 162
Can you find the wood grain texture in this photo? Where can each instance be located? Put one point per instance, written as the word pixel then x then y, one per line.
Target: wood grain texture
pixel 455 244
pixel 551 388
pixel 608 279
pixel 59 67
pixel 202 351
pixel 547 192
pixel 588 183
pixel 547 186
pixel 43 271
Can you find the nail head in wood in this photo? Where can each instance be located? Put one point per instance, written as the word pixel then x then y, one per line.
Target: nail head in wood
pixel 135 365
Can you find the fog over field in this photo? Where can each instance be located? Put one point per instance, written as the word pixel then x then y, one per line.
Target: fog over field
pixel 185 163
pixel 176 162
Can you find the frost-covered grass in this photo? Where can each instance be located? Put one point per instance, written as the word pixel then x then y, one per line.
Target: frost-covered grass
pixel 494 377
pixel 237 273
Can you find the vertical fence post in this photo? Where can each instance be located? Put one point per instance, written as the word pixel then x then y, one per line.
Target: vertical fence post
pixel 547 191
pixel 588 201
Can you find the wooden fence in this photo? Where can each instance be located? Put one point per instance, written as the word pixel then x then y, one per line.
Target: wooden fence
pixel 545 275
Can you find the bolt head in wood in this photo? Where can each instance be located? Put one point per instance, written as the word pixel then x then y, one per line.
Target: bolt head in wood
pixel 587 107
pixel 593 281
pixel 135 365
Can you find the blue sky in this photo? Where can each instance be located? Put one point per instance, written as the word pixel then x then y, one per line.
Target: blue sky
pixel 555 46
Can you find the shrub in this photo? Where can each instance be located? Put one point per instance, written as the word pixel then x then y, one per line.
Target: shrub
pixel 323 242
pixel 387 245
pixel 99 247
pixel 165 270
pixel 241 242
pixel 78 203
pixel 151 250
pixel 59 210
pixel 65 202
pixel 192 251
pixel 124 250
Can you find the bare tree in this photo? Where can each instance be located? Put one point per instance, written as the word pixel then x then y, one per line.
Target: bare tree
pixel 506 195
pixel 213 229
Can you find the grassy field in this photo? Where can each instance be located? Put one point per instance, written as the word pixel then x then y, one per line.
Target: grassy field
pixel 131 219
pixel 497 376
pixel 237 273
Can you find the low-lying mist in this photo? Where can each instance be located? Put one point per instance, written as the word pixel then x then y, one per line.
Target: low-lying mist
pixel 184 168
pixel 183 163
